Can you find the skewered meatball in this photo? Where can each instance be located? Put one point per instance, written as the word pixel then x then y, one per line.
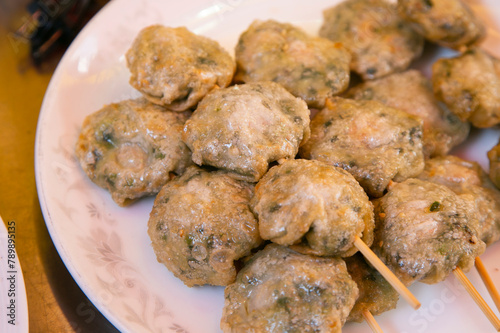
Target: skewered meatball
pixel 424 231
pixel 375 293
pixel 130 147
pixel 200 224
pixel 379 40
pixel 494 159
pixel 469 85
pixel 411 92
pixel 373 142
pixel 243 128
pixel 317 207
pixel 464 177
pixel 450 23
pixel 313 69
pixel 176 68
pixel 280 290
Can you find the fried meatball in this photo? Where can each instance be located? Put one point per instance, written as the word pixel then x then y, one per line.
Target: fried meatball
pixel 449 23
pixel 373 142
pixel 494 161
pixel 316 207
pixel 424 231
pixel 130 147
pixel 313 69
pixel 412 92
pixel 245 127
pixel 175 68
pixel 281 290
pixel 464 177
pixel 469 85
pixel 375 293
pixel 379 40
pixel 200 224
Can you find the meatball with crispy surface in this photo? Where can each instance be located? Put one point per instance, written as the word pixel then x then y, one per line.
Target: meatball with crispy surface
pixel 130 147
pixel 311 68
pixel 425 230
pixel 315 207
pixel 411 92
pixel 175 68
pixel 245 127
pixel 466 177
pixel 379 40
pixel 373 142
pixel 201 224
pixel 469 85
pixel 449 23
pixel 280 290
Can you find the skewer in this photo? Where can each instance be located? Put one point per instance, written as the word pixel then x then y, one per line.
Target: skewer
pixel 459 274
pixel 370 320
pixel 483 273
pixel 386 273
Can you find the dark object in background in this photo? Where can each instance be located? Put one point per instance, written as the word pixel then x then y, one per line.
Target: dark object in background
pixel 54 24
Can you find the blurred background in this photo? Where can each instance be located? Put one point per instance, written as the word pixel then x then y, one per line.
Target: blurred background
pixel 33 38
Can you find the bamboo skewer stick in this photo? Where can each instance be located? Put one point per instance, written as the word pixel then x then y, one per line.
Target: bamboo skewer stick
pixel 370 320
pixel 459 274
pixel 483 273
pixel 386 273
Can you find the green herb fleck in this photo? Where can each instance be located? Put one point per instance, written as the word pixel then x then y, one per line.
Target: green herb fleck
pixel 435 206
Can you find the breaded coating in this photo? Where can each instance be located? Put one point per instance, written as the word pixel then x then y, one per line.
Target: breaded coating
pixel 424 231
pixel 315 207
pixel 379 40
pixel 372 141
pixel 375 293
pixel 411 92
pixel 494 161
pixel 469 85
pixel 311 68
pixel 175 68
pixel 465 177
pixel 280 290
pixel 130 148
pixel 200 224
pixel 245 127
pixel 450 23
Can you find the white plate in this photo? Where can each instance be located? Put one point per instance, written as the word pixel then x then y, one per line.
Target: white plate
pixel 13 301
pixel 106 248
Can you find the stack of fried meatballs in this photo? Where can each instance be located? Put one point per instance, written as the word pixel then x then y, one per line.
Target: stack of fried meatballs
pixel 255 194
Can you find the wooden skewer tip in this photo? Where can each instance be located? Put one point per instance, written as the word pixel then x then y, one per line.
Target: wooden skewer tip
pixel 469 287
pixel 370 320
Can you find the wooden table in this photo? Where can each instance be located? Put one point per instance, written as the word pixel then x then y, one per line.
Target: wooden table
pixel 55 302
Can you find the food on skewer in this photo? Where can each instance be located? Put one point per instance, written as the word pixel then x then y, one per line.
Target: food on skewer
pixel 449 23
pixel 373 142
pixel 318 209
pixel 469 85
pixel 376 295
pixel 201 224
pixel 131 147
pixel 245 127
pixel 311 68
pixel 175 68
pixel 379 40
pixel 464 177
pixel 411 92
pixel 280 290
pixel 425 230
pixel 315 207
